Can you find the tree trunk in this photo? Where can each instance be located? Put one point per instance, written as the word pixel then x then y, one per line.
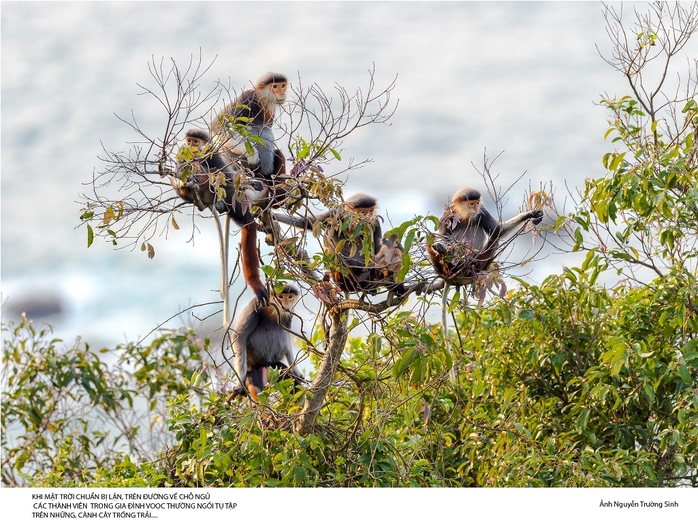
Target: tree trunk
pixel 315 396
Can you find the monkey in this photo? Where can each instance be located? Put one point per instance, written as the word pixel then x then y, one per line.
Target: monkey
pixel 352 231
pixel 467 243
pixel 197 138
pixel 260 340
pixel 206 179
pixel 252 114
pixel 388 260
pixel 356 217
pixel 196 163
pixel 468 237
pixel 203 162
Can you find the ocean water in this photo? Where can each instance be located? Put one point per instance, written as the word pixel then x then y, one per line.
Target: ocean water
pixel 520 78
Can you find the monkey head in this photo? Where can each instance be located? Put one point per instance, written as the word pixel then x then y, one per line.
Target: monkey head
pixel 196 138
pixel 362 205
pixel 271 89
pixel 466 203
pixel 288 297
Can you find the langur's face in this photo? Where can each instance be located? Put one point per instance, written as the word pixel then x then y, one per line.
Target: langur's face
pixel 278 89
pixel 194 142
pixel 472 206
pixel 274 93
pixel 287 300
pixel 466 209
pixel 362 213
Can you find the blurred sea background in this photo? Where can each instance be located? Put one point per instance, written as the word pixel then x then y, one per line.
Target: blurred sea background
pixel 522 78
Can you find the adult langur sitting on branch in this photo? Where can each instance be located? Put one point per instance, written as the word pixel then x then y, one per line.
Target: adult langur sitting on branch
pixel 352 232
pixel 468 238
pixel 467 243
pixel 243 131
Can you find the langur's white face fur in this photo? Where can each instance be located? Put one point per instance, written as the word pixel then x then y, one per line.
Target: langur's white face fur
pixel 192 141
pixel 362 213
pixel 287 300
pixel 465 209
pixel 273 94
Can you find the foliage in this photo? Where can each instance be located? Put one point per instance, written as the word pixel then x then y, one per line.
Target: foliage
pixel 568 384
pixel 69 414
pixel 644 212
pixel 580 386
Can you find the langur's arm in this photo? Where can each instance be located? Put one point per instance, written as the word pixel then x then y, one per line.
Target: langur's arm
pixel 302 222
pixel 508 226
pixel 487 223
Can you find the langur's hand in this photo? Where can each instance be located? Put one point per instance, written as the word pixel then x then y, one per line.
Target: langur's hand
pixel 263 297
pixel 536 216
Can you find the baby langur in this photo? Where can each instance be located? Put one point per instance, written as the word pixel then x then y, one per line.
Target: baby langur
pixel 260 341
pixel 388 261
pixel 468 238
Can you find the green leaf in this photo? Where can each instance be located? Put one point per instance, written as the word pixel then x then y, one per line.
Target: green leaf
pixel 649 391
pixel 685 375
pixel 403 363
pixel 578 239
pixel 406 264
pixel 617 159
pixel 90 235
pixel 409 239
pixel 523 430
pixel 688 149
pixel 248 148
pixel 416 375
pixel 583 419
